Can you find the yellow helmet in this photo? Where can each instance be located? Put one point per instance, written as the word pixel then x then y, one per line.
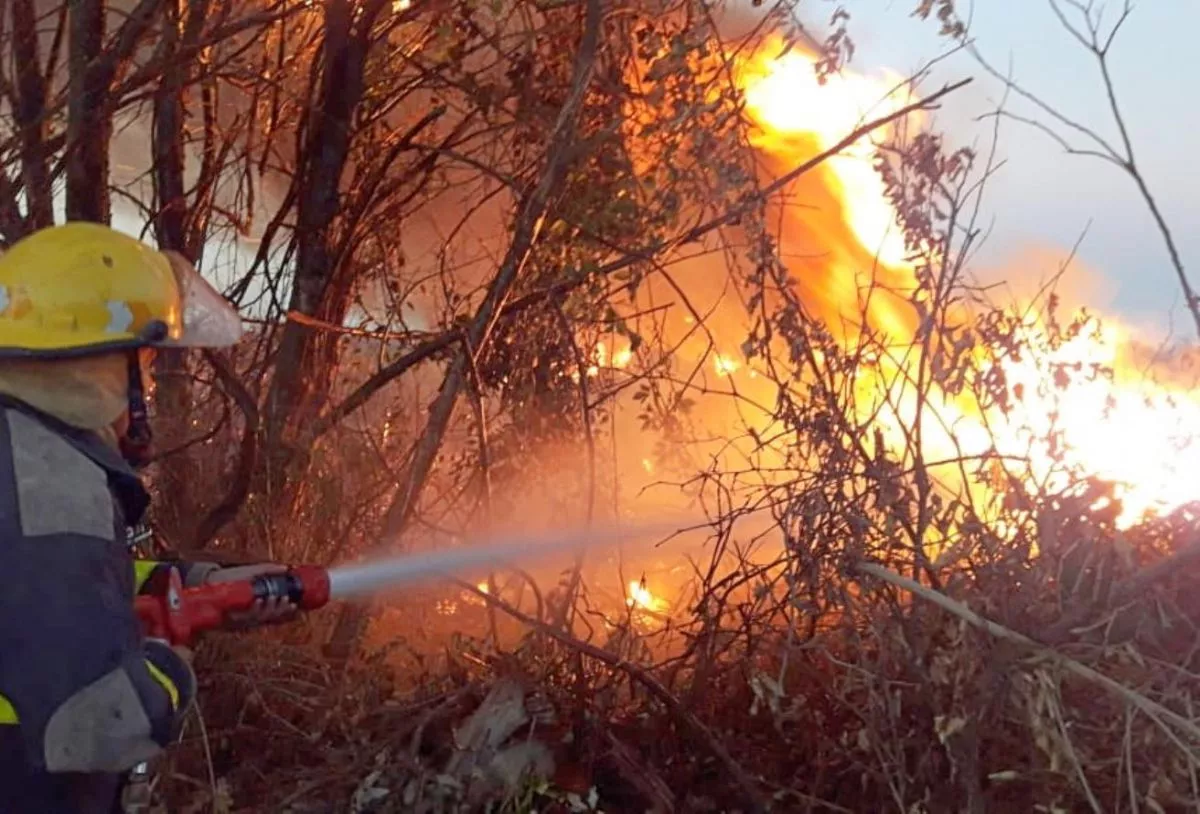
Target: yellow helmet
pixel 83 288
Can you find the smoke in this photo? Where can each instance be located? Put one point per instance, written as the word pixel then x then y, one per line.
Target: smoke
pixel 1028 273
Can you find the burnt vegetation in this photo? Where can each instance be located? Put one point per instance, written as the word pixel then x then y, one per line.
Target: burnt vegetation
pixel 441 218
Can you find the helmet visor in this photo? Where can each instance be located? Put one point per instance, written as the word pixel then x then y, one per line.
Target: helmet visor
pixel 207 318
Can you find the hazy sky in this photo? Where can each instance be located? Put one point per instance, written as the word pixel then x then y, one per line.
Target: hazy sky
pixel 1043 196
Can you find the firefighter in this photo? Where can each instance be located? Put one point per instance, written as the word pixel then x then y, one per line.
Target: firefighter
pixel 83 697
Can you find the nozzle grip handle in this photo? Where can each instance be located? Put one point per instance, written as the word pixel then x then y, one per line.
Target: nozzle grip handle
pixel 305 586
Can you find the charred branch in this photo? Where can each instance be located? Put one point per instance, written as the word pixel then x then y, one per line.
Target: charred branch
pixel 30 114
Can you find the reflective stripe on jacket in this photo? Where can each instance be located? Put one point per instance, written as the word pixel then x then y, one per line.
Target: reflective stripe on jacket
pixel 90 695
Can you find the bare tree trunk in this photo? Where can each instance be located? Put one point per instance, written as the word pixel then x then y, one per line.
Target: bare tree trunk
pixel 89 123
pixel 90 106
pixel 303 368
pixel 173 402
pixel 30 114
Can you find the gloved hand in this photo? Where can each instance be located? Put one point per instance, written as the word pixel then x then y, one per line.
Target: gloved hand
pixel 265 612
pixel 175 663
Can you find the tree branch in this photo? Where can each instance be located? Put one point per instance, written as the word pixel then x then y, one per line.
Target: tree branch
pixel 629 258
pixel 528 224
pixel 1099 47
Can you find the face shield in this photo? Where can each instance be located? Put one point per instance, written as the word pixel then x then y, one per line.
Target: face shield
pixel 207 320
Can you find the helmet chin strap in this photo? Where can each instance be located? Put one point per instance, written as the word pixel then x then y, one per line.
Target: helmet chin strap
pixel 135 444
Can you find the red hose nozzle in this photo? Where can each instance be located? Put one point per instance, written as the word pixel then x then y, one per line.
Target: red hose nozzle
pixel 178 613
pixel 311 586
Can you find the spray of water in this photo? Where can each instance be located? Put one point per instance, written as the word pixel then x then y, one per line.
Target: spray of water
pixel 362 579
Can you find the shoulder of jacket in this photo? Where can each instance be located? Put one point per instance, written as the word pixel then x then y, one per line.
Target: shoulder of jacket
pixel 59 489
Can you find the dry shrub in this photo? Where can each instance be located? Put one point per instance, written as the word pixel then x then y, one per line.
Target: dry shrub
pixel 894 704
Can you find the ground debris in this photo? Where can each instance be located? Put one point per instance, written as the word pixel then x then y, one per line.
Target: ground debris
pixel 641 775
pixel 495 748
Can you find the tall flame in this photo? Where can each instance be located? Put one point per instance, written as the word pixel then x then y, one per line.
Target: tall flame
pixel 786 98
pixel 1141 435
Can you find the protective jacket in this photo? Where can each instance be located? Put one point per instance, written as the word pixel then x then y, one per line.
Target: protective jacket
pixel 83 697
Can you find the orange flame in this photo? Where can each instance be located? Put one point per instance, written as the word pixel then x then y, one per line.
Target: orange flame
pixel 843 237
pixel 786 99
pixel 1141 435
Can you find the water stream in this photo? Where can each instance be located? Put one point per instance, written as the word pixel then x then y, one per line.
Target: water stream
pixel 525 549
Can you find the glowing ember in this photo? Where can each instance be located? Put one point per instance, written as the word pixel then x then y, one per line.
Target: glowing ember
pixel 472 598
pixel 640 598
pixel 724 365
pixel 601 359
